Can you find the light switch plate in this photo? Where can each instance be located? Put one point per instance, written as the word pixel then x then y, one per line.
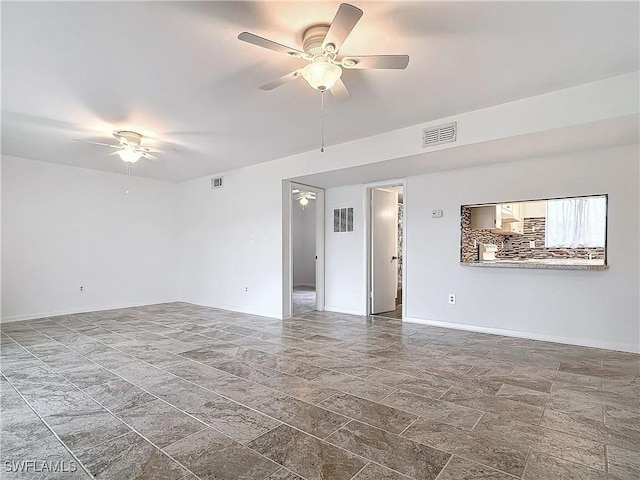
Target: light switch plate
pixel 436 214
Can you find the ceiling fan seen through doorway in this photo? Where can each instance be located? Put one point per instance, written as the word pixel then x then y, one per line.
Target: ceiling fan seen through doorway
pixel 303 197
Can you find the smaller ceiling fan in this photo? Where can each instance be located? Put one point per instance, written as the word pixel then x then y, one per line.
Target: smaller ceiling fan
pixel 130 149
pixel 320 46
pixel 302 196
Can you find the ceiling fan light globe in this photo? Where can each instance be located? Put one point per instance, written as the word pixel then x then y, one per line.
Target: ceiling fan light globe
pixel 129 156
pixel 321 75
pixel 304 201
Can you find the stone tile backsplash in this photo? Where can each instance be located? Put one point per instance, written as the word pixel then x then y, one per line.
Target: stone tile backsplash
pixel 470 238
pixel 518 246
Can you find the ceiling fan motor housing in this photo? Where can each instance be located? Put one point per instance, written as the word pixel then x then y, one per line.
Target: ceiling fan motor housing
pixel 312 40
pixel 130 138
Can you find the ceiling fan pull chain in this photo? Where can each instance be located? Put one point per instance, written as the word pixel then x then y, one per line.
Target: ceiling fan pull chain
pixel 322 119
pixel 128 190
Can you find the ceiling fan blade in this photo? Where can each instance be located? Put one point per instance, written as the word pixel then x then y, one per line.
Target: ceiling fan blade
pixel 97 143
pixel 376 61
pixel 346 18
pixel 340 91
pixel 271 45
pixel 148 150
pixel 284 79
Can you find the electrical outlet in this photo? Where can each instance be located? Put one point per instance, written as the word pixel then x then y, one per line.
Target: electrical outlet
pixel 246 289
pixel 81 289
pixel 452 298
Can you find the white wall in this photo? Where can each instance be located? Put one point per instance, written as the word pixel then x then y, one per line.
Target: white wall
pixel 65 227
pixel 230 247
pixel 231 239
pixel 345 257
pixel 303 233
pixel 597 308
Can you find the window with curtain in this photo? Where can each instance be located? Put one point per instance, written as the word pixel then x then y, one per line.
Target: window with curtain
pixel 576 222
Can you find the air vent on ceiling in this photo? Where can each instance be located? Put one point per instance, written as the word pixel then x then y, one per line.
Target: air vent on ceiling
pixel 216 182
pixel 441 134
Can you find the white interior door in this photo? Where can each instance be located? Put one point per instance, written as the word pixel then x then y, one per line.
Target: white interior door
pixel 384 250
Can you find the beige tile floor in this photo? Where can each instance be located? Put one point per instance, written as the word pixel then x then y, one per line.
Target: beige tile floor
pixel 179 391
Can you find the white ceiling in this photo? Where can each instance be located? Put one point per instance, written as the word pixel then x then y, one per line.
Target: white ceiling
pixel 175 72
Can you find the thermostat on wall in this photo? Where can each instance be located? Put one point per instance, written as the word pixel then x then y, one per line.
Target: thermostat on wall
pixel 436 214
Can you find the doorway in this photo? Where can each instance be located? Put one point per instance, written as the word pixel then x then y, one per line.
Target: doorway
pixel 386 251
pixel 307 246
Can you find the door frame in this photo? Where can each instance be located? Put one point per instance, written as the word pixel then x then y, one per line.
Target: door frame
pixel 287 244
pixel 368 240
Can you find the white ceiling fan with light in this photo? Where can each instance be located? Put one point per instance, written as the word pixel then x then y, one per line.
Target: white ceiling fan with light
pixel 129 150
pixel 302 196
pixel 320 47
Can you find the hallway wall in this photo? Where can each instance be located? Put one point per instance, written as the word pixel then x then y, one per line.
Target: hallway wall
pixel 303 233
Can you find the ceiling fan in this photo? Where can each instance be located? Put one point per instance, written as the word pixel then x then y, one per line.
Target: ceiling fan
pixel 320 47
pixel 302 196
pixel 129 149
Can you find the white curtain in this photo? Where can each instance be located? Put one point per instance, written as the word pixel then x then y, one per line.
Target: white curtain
pixel 576 222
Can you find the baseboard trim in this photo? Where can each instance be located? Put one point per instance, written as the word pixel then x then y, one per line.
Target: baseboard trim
pixel 248 311
pixel 349 311
pixel 73 311
pixel 623 347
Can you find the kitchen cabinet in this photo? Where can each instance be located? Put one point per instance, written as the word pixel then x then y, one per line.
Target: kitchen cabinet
pixel 486 217
pixel 510 212
pixel 497 218
pixel 510 228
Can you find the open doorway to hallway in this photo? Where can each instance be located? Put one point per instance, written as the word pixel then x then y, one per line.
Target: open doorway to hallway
pixel 386 259
pixel 307 213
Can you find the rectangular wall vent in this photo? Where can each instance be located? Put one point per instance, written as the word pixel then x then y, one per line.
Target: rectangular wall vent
pixel 441 134
pixel 343 220
pixel 216 182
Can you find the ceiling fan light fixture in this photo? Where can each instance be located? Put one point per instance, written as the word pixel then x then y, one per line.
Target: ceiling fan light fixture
pixel 321 75
pixel 304 201
pixel 129 155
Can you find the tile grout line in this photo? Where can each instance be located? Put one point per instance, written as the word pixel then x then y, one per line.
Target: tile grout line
pixel 478 421
pixel 407 427
pixel 445 467
pixel 444 393
pixel 359 471
pixel 526 461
